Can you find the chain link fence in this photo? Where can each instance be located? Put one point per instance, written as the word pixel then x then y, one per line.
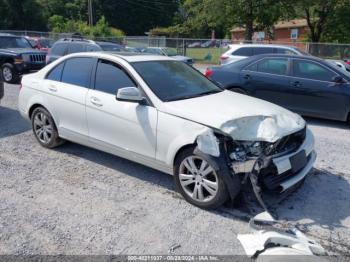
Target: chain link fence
pixel 202 50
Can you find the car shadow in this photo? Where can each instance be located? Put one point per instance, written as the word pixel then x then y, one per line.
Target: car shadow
pixel 327 123
pixel 322 200
pixel 119 164
pixel 11 122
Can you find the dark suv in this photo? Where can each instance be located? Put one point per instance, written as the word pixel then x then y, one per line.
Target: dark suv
pixel 67 46
pixel 17 57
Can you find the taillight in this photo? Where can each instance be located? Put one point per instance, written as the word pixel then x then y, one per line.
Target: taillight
pixel 208 72
pixel 223 57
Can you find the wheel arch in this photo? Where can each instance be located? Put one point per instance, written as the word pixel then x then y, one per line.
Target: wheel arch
pixel 180 150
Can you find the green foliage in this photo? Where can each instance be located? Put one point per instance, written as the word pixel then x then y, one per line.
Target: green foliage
pixel 58 24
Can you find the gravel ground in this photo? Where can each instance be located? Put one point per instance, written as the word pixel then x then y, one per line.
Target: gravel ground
pixel 76 200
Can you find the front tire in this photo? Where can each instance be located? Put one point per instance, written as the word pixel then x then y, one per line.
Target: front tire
pixel 44 128
pixel 198 182
pixel 9 74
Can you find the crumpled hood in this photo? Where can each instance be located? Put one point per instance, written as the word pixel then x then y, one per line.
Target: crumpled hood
pixel 240 116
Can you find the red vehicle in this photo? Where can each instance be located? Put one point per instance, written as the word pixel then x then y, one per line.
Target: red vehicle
pixel 41 43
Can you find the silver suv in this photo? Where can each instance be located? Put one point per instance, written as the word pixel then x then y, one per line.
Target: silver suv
pixel 238 52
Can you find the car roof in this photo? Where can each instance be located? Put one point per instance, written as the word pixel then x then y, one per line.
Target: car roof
pixel 236 46
pixel 127 56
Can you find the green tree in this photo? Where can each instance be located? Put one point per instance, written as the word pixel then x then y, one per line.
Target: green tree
pixel 21 15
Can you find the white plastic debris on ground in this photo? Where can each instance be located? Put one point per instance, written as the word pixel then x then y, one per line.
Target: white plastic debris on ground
pixel 279 242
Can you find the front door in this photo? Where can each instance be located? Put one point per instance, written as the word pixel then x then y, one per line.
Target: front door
pixel 314 92
pixel 125 126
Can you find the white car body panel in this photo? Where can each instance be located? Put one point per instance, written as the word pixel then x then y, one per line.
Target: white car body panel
pixel 151 135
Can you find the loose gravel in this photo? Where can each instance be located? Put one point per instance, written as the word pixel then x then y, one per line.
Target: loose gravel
pixel 77 200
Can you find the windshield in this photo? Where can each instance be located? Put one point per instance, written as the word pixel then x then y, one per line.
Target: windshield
pixel 112 47
pixel 14 42
pixel 174 80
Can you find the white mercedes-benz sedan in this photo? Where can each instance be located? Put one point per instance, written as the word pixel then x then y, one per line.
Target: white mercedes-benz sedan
pixel 166 115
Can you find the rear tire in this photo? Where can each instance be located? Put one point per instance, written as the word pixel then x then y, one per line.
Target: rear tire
pixel 198 182
pixel 9 74
pixel 44 128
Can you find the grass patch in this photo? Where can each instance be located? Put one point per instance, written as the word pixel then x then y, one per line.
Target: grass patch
pixel 205 55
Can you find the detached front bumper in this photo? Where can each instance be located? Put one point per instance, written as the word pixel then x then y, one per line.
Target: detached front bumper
pixel 283 171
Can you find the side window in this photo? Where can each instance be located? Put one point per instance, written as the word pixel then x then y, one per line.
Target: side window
pixel 75 48
pixel 59 49
pixel 310 70
pixel 277 66
pixel 77 71
pixel 56 73
pixel 262 50
pixel 110 77
pixel 284 51
pixel 243 51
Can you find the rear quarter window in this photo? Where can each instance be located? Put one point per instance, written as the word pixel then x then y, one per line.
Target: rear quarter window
pixel 243 51
pixel 56 73
pixel 77 71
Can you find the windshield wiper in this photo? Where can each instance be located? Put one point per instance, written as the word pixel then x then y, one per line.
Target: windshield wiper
pixel 193 95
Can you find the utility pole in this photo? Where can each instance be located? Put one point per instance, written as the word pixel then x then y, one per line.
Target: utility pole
pixel 90 13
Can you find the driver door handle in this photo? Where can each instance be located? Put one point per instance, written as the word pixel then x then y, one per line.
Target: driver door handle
pixel 95 101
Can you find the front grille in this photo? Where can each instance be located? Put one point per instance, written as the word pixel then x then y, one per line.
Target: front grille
pixel 37 58
pixel 270 178
pixel 289 143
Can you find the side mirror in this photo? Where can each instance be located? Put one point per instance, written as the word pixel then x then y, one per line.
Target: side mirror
pixel 338 80
pixel 130 94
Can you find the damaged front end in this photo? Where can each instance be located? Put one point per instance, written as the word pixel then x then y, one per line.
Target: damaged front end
pixel 271 163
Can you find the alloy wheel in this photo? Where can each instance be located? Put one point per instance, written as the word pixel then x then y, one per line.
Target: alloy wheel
pixel 43 128
pixel 198 179
pixel 7 74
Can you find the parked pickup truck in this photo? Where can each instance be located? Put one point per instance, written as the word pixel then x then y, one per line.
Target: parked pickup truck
pixel 18 57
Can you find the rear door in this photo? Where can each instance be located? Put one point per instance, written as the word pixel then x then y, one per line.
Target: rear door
pixel 67 86
pixel 314 93
pixel 268 79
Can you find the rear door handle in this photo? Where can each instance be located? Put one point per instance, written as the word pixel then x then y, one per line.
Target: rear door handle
pixel 52 88
pixel 297 84
pixel 95 101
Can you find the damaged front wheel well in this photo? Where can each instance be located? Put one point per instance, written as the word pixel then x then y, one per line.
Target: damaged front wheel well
pixel 178 153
